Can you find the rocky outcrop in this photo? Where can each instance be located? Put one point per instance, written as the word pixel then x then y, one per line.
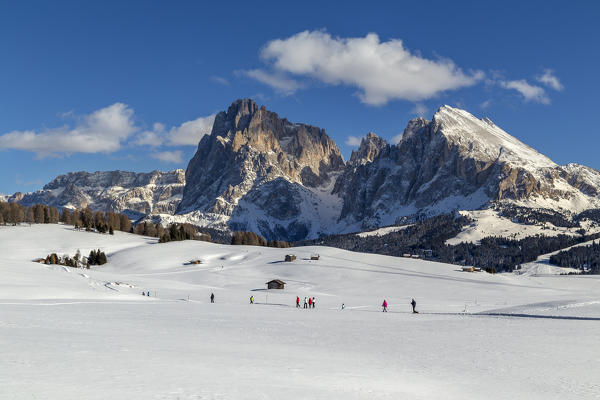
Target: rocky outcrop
pixel 118 191
pixel 261 171
pixel 371 147
pixel 454 161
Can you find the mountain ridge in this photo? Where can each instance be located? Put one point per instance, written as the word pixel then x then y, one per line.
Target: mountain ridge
pixel 260 172
pixel 135 194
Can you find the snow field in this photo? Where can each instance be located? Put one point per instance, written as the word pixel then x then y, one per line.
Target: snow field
pixel 72 333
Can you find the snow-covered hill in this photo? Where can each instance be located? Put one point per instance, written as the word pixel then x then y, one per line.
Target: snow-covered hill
pixel 71 333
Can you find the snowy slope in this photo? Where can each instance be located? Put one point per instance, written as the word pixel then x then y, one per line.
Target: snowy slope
pixel 542 266
pixel 382 231
pixel 72 334
pixel 485 141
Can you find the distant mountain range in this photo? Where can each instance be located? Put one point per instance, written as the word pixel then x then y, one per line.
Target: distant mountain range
pixel 135 194
pixel 259 172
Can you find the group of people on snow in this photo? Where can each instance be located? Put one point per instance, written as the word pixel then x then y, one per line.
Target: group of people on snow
pixel 384 305
pixel 309 302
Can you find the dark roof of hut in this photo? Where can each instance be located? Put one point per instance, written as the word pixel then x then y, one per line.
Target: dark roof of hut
pixel 277 281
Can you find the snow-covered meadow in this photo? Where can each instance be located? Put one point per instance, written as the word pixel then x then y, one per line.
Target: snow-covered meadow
pixel 89 334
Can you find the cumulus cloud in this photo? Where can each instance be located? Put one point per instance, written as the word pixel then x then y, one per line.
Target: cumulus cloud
pixel 102 131
pixel 152 137
pixel 188 133
pixel 529 92
pixel 353 141
pixel 549 79
pixel 278 81
pixel 382 71
pixel 174 157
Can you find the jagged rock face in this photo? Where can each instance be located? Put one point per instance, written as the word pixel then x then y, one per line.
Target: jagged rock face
pixel 371 147
pixel 455 161
pixel 259 172
pixel 117 191
pixel 248 149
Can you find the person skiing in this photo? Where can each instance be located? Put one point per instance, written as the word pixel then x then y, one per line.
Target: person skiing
pixel 413 303
pixel 305 303
pixel 297 301
pixel 309 302
pixel 251 299
pixel 148 294
pixel 212 297
pixel 313 302
pixel 343 306
pixel 384 305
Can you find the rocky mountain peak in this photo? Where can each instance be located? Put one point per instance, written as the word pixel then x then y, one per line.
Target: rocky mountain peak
pixel 370 148
pixel 250 146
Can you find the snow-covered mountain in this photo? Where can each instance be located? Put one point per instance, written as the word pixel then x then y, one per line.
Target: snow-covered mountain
pixel 262 173
pixel 133 193
pixel 283 180
pixel 456 161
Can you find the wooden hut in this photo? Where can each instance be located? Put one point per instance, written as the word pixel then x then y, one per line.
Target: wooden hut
pixel 290 257
pixel 275 284
pixel 314 257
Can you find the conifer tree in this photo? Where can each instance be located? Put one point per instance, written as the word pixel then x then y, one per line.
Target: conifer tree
pixel 29 216
pixel 124 223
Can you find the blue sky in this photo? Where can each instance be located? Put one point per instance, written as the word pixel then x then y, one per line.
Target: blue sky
pixel 133 85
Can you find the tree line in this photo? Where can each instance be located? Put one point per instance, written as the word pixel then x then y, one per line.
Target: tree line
pixel 584 258
pixel 99 221
pixel 427 239
pixel 252 239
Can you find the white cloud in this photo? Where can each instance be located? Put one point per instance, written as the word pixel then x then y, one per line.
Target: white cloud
pixel 219 80
pixel 484 105
pixel 382 71
pixel 420 110
pixel 188 133
pixel 353 141
pixel 174 157
pixel 396 139
pixel 549 79
pixel 529 92
pixel 152 138
pixel 102 131
pixel 278 81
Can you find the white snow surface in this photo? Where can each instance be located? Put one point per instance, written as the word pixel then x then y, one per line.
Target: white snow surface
pixel 382 231
pixel 542 266
pixel 481 137
pixel 89 334
pixel 488 222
